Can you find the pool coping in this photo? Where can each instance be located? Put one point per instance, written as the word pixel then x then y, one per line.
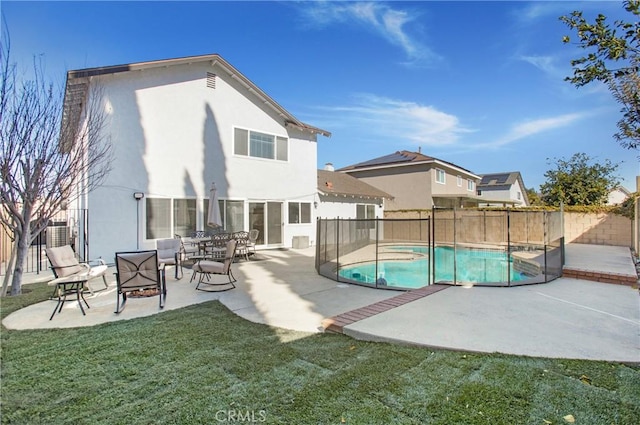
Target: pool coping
pixel 337 323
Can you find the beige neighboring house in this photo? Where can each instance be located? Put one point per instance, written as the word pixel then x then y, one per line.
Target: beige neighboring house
pixel 618 195
pixel 344 196
pixel 418 181
pixel 503 190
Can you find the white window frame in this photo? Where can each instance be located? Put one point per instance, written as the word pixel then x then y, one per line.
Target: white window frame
pixel 471 185
pixel 171 216
pixel 279 153
pixel 459 181
pixel 299 204
pixel 441 172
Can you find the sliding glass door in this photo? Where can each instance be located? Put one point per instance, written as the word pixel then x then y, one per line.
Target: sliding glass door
pixel 266 217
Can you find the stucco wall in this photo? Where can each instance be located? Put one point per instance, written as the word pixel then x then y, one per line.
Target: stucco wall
pixel 173 136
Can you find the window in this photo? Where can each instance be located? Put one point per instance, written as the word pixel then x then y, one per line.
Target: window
pixel 440 176
pixel 459 181
pixel 260 145
pixel 519 196
pixel 184 216
pixel 158 218
pixel 167 217
pixel 365 212
pixel 231 212
pixel 299 212
pixel 471 185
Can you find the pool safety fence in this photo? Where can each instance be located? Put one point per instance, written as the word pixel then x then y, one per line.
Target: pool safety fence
pixel 451 246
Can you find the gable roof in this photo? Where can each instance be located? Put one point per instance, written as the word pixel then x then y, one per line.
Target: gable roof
pixel 499 180
pixel 401 158
pixel 503 181
pixel 78 84
pixel 341 184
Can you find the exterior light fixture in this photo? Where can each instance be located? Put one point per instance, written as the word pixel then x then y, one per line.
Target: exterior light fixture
pixel 138 196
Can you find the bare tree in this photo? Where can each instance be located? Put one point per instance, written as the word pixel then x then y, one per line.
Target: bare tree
pixel 54 150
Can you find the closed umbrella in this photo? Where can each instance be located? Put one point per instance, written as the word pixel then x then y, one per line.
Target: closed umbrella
pixel 214 219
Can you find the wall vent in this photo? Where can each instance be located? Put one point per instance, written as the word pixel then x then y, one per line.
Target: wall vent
pixel 211 80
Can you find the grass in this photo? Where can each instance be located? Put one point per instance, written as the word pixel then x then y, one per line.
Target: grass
pixel 204 365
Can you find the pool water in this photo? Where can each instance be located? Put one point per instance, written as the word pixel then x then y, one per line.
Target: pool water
pixel 472 266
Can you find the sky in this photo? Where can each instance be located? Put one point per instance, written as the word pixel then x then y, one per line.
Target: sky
pixel 477 83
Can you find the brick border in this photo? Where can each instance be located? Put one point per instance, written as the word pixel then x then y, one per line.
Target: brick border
pixel 337 323
pixel 617 278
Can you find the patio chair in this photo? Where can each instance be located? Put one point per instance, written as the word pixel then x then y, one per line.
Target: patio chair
pixel 64 263
pixel 188 248
pixel 206 268
pixel 242 239
pixel 253 239
pixel 139 271
pixel 169 254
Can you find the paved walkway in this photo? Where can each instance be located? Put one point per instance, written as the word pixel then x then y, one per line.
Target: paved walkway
pixel 566 318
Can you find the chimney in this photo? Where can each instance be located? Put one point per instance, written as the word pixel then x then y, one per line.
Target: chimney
pixel 328 167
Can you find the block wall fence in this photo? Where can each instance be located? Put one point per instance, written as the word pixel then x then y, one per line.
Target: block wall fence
pixel 586 228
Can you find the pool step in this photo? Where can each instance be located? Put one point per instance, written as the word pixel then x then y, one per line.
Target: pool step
pixel 337 323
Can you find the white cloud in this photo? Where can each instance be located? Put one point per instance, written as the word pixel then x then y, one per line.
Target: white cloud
pixel 530 128
pixel 395 122
pixel 387 22
pixel 544 63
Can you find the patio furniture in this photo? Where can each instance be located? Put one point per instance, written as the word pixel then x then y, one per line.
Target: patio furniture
pixel 139 271
pixel 169 253
pixel 70 285
pixel 206 268
pixel 253 238
pixel 199 234
pixel 242 239
pixel 64 263
pixel 217 246
pixel 188 248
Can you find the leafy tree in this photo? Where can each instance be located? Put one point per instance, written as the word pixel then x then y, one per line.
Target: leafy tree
pixel 577 181
pixel 534 197
pixel 614 60
pixel 46 161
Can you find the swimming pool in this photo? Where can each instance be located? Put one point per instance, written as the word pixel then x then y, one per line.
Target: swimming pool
pixel 471 266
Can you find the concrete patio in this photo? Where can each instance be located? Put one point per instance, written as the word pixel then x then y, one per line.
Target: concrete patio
pixel 566 318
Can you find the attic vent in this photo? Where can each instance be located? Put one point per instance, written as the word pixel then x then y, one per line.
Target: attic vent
pixel 211 80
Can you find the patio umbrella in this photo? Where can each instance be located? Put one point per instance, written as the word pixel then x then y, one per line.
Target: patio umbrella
pixel 214 219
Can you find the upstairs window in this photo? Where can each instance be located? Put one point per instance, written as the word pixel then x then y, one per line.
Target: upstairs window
pixel 440 176
pixel 471 185
pixel 260 145
pixel 459 181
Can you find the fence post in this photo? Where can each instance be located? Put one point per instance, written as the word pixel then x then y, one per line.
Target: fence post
pixel 508 246
pixel 338 249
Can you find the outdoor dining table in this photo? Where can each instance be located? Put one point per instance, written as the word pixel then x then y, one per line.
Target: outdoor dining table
pixel 202 244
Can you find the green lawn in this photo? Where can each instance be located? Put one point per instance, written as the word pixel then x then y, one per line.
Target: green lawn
pixel 205 365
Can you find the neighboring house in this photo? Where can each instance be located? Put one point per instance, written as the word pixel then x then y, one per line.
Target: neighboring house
pixel 618 195
pixel 503 190
pixel 417 181
pixel 344 196
pixel 178 125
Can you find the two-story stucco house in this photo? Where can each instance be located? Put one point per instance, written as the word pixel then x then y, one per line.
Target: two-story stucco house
pixel 503 189
pixel 179 125
pixel 418 181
